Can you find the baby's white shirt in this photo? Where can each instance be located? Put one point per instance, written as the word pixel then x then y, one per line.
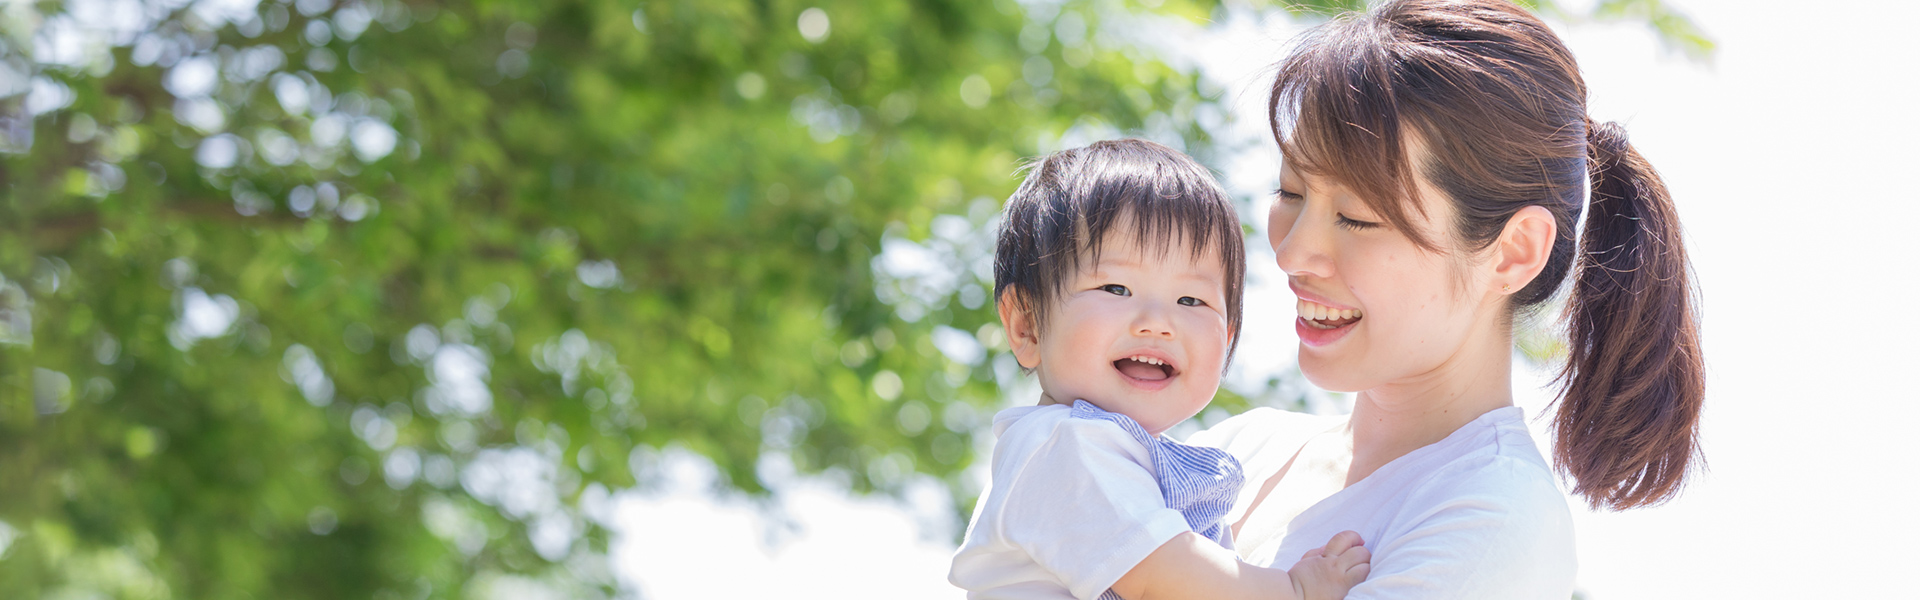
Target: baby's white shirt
pixel 1094 514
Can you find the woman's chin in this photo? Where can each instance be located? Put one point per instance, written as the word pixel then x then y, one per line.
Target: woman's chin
pixel 1330 374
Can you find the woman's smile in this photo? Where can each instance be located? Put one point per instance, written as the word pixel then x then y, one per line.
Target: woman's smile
pixel 1320 323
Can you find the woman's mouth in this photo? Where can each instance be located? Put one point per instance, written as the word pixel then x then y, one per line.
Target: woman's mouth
pixel 1320 325
pixel 1320 316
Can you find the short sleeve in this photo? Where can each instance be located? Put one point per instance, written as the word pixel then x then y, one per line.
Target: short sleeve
pixel 1086 506
pixel 1498 532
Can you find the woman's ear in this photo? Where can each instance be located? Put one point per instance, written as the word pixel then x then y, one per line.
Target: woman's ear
pixel 1523 248
pixel 1023 334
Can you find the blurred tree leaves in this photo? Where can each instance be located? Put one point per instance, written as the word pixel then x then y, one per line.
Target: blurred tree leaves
pixel 1673 27
pixel 383 298
pixel 380 298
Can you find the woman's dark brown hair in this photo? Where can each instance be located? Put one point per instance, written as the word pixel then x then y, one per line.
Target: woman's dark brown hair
pixel 1498 102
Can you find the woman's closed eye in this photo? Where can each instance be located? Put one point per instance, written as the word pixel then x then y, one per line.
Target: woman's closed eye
pixel 1116 289
pixel 1355 225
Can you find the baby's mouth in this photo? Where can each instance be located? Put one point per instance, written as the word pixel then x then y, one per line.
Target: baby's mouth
pixel 1319 316
pixel 1145 368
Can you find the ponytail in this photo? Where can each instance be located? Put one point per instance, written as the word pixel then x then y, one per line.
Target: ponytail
pixel 1628 429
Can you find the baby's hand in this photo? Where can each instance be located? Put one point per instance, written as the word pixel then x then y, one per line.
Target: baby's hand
pixel 1327 573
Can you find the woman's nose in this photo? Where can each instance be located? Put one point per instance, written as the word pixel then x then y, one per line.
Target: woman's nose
pixel 1300 248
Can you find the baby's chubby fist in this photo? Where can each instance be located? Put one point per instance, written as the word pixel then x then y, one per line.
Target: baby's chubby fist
pixel 1328 572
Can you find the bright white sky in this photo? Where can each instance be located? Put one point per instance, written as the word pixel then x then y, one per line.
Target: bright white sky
pixel 1787 157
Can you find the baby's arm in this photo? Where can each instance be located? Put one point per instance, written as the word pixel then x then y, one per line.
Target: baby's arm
pixel 1191 566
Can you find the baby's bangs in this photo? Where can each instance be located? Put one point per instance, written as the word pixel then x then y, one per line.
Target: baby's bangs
pixel 1166 211
pixel 1335 114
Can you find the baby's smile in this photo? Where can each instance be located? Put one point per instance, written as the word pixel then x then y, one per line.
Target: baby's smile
pixel 1144 368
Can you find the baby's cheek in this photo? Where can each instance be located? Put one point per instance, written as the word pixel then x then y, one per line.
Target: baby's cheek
pixel 1214 350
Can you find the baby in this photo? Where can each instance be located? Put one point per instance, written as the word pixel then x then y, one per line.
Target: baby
pixel 1118 278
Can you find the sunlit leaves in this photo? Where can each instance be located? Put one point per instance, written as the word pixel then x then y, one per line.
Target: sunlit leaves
pixel 417 280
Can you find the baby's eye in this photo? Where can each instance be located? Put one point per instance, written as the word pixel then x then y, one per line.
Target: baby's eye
pixel 1116 289
pixel 1190 301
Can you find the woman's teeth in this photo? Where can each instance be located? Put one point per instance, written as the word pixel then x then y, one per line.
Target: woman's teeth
pixel 1324 317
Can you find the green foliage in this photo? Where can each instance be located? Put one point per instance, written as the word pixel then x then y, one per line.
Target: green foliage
pixel 380 299
pixel 291 292
pixel 1675 29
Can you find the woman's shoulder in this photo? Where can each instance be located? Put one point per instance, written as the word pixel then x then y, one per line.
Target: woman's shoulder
pixel 1494 481
pixel 1508 451
pixel 1497 467
pixel 1488 526
pixel 1487 518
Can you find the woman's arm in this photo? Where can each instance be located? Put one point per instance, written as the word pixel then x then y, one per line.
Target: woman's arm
pixel 1192 567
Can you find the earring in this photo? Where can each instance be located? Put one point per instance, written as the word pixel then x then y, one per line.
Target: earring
pixel 1505 288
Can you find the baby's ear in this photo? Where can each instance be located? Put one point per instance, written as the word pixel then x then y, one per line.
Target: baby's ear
pixel 1023 332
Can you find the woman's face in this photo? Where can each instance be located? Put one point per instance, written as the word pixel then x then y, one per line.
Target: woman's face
pixel 1375 309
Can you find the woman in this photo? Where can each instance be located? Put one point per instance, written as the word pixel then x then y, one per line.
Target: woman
pixel 1436 157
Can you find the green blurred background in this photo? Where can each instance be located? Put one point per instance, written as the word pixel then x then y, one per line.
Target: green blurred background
pixel 376 299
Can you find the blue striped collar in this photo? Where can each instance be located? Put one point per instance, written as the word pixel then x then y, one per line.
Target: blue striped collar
pixel 1198 481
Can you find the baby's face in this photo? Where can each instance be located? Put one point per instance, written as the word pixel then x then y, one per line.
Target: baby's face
pixel 1141 333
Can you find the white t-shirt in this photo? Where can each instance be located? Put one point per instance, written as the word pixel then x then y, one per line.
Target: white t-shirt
pixel 1475 515
pixel 1073 505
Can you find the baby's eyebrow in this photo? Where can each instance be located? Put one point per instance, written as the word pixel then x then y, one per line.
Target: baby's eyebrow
pixel 1208 280
pixel 1193 275
pixel 1200 277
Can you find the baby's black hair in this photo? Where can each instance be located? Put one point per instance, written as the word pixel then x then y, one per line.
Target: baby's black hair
pixel 1072 198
